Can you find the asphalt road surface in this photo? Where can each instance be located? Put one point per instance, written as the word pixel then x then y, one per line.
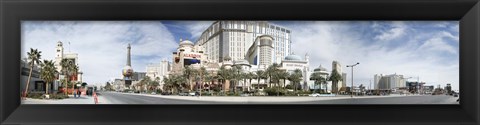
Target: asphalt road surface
pixel 119 98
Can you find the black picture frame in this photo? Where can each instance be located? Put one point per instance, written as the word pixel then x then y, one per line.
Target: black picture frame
pixel 14 11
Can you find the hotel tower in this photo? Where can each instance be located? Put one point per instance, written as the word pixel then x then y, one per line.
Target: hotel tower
pixel 234 38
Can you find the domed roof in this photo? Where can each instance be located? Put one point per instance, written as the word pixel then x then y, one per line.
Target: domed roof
pixel 226 63
pixel 241 62
pixel 127 67
pixel 127 71
pixel 293 57
pixel 186 42
pixel 320 68
pixel 59 43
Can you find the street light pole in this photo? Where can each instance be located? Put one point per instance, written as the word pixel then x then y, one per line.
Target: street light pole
pixel 351 88
pixel 418 85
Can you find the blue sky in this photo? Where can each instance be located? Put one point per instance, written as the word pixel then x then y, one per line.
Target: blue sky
pixel 429 49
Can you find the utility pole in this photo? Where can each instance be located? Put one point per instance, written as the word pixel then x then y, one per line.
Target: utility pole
pixel 69 47
pixel 418 85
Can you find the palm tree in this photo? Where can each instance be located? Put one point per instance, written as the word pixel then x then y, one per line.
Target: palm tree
pixel 265 77
pixel 208 80
pixel 74 70
pixel 272 70
pixel 283 75
pixel 145 82
pixel 66 71
pixel 319 79
pixel 154 84
pixel 48 73
pixel 295 78
pixel 187 73
pixel 244 77
pixel 34 56
pixel 196 79
pixel 259 74
pixel 223 76
pixel 180 82
pixel 203 74
pixel 273 74
pixel 170 83
pixel 69 68
pixel 167 85
pixel 250 76
pixel 277 75
pixel 139 85
pixel 335 77
pixel 238 76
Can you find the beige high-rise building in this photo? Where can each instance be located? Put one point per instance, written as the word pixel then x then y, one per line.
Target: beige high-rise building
pixel 338 67
pixel 158 69
pixel 261 52
pixel 234 38
pixel 387 82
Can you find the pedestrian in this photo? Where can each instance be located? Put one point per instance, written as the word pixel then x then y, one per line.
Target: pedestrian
pixel 74 93
pixel 79 92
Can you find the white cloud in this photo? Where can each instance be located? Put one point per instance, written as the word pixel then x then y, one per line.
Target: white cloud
pixel 397 31
pixel 437 44
pixel 196 28
pixel 101 45
pixel 328 41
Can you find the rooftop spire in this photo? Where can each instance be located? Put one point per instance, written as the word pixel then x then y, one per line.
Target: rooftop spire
pixel 128 55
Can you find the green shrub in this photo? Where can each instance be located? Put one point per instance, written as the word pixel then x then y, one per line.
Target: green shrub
pixel 207 93
pixel 221 94
pixel 35 95
pixel 290 93
pixel 58 96
pixel 289 86
pixel 216 89
pixel 275 91
pixel 304 92
pixel 43 96
pixel 230 94
pixel 127 90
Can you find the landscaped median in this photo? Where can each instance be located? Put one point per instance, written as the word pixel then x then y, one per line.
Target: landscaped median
pixel 260 99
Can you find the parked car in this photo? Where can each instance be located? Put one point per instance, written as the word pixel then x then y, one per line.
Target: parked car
pixel 153 93
pixel 183 94
pixel 455 95
pixel 314 95
pixel 166 93
pixel 192 94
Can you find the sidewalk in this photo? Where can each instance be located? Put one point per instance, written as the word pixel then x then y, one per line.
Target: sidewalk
pixel 71 100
